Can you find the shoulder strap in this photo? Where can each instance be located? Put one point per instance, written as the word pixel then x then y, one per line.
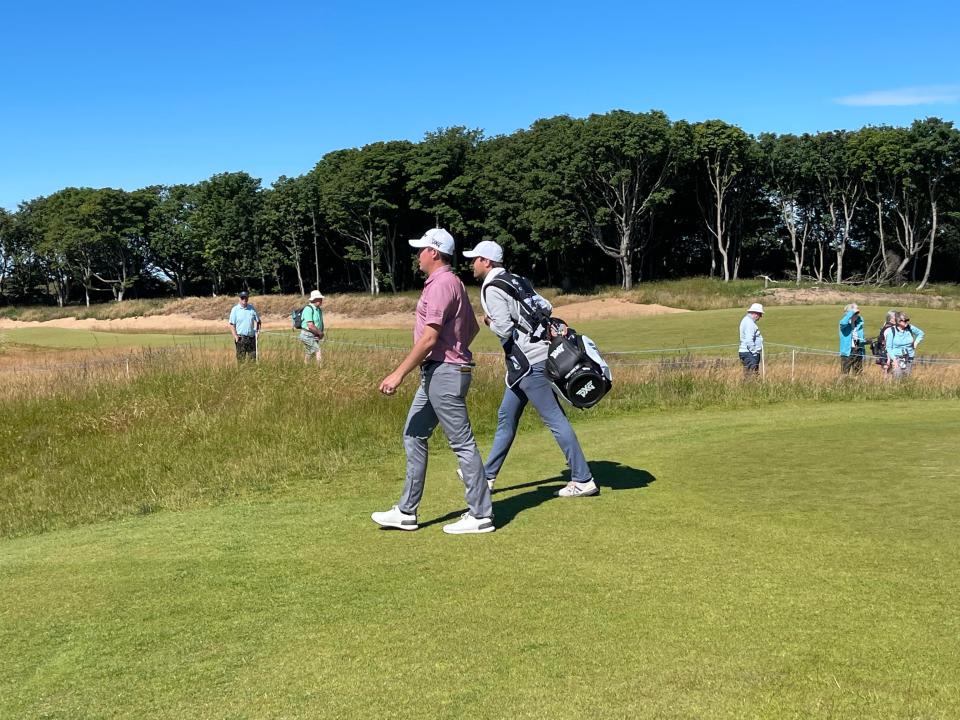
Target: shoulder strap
pixel 521 290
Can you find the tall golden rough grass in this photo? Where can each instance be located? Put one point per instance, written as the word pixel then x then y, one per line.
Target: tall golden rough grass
pixel 82 371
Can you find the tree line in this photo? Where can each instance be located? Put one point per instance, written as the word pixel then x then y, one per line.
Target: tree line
pixel 615 198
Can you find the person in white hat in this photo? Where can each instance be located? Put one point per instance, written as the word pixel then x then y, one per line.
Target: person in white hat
pixel 526 351
pixel 445 327
pixel 751 341
pixel 311 327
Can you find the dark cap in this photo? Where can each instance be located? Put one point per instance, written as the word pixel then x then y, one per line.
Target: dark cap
pixel 243 294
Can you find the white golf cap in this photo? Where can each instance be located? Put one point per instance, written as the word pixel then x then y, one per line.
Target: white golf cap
pixel 486 249
pixel 756 307
pixel 316 295
pixel 437 238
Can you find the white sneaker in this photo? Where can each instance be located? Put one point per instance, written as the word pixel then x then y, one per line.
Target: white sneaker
pixel 469 524
pixel 578 489
pixel 490 481
pixel 393 518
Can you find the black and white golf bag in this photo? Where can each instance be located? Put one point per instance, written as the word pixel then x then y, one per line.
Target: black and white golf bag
pixel 577 371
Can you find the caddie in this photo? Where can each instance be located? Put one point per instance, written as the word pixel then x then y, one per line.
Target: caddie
pixel 526 349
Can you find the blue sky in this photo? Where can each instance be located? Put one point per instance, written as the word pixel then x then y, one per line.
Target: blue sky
pixel 107 94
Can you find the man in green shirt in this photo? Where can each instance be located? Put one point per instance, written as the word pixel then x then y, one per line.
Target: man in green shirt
pixel 311 327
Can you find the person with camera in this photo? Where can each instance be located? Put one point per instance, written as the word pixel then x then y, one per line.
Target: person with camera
pixel 751 341
pixel 526 350
pixel 901 343
pixel 852 340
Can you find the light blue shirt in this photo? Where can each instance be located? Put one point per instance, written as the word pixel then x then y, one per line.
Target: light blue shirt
pixel 751 340
pixel 851 328
pixel 245 319
pixel 901 341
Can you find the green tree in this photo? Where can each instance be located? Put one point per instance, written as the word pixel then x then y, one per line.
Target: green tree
pixel 224 220
pixel 173 247
pixel 725 157
pixel 932 166
pixel 362 198
pixel 437 184
pixel 788 176
pixel 287 221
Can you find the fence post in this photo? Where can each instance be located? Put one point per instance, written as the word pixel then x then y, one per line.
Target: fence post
pixel 793 363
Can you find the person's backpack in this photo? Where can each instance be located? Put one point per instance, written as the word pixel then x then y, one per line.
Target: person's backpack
pixel 296 318
pixel 878 346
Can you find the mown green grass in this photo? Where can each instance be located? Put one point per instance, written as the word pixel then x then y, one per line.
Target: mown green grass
pixel 812 326
pixel 195 542
pixel 69 338
pixel 799 560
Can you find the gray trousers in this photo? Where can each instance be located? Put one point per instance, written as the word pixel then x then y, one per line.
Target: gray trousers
pixel 441 399
pixel 536 389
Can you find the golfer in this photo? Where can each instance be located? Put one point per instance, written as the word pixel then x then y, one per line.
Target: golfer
pixel 311 327
pixel 445 327
pixel 751 341
pixel 852 340
pixel 526 349
pixel 245 327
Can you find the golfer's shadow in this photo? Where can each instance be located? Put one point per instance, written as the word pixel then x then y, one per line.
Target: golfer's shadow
pixel 607 474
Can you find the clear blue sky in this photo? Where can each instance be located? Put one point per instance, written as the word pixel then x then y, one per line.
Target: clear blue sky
pixel 108 94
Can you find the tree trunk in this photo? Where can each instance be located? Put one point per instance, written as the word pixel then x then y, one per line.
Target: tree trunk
pixel 316 248
pixel 933 235
pixel 626 269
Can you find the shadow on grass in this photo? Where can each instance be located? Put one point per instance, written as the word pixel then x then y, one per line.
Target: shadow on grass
pixel 607 474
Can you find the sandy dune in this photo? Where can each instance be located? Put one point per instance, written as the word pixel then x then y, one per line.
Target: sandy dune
pixel 574 312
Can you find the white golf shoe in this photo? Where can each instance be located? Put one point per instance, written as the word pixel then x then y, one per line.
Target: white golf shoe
pixel 468 524
pixel 578 489
pixel 393 518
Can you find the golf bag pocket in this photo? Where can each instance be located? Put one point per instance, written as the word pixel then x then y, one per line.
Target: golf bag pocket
pixel 578 373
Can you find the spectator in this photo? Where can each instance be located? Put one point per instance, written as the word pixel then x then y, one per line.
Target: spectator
pixel 751 341
pixel 879 348
pixel 901 344
pixel 311 327
pixel 245 327
pixel 852 341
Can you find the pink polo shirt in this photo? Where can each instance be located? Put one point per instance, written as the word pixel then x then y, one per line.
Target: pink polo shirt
pixel 444 303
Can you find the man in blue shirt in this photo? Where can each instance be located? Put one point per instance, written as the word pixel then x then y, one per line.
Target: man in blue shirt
pixel 245 327
pixel 751 341
pixel 852 341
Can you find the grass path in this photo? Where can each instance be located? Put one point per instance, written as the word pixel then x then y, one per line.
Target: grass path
pixel 792 561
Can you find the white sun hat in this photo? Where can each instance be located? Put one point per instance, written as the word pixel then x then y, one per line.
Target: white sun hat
pixel 756 307
pixel 437 238
pixel 486 249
